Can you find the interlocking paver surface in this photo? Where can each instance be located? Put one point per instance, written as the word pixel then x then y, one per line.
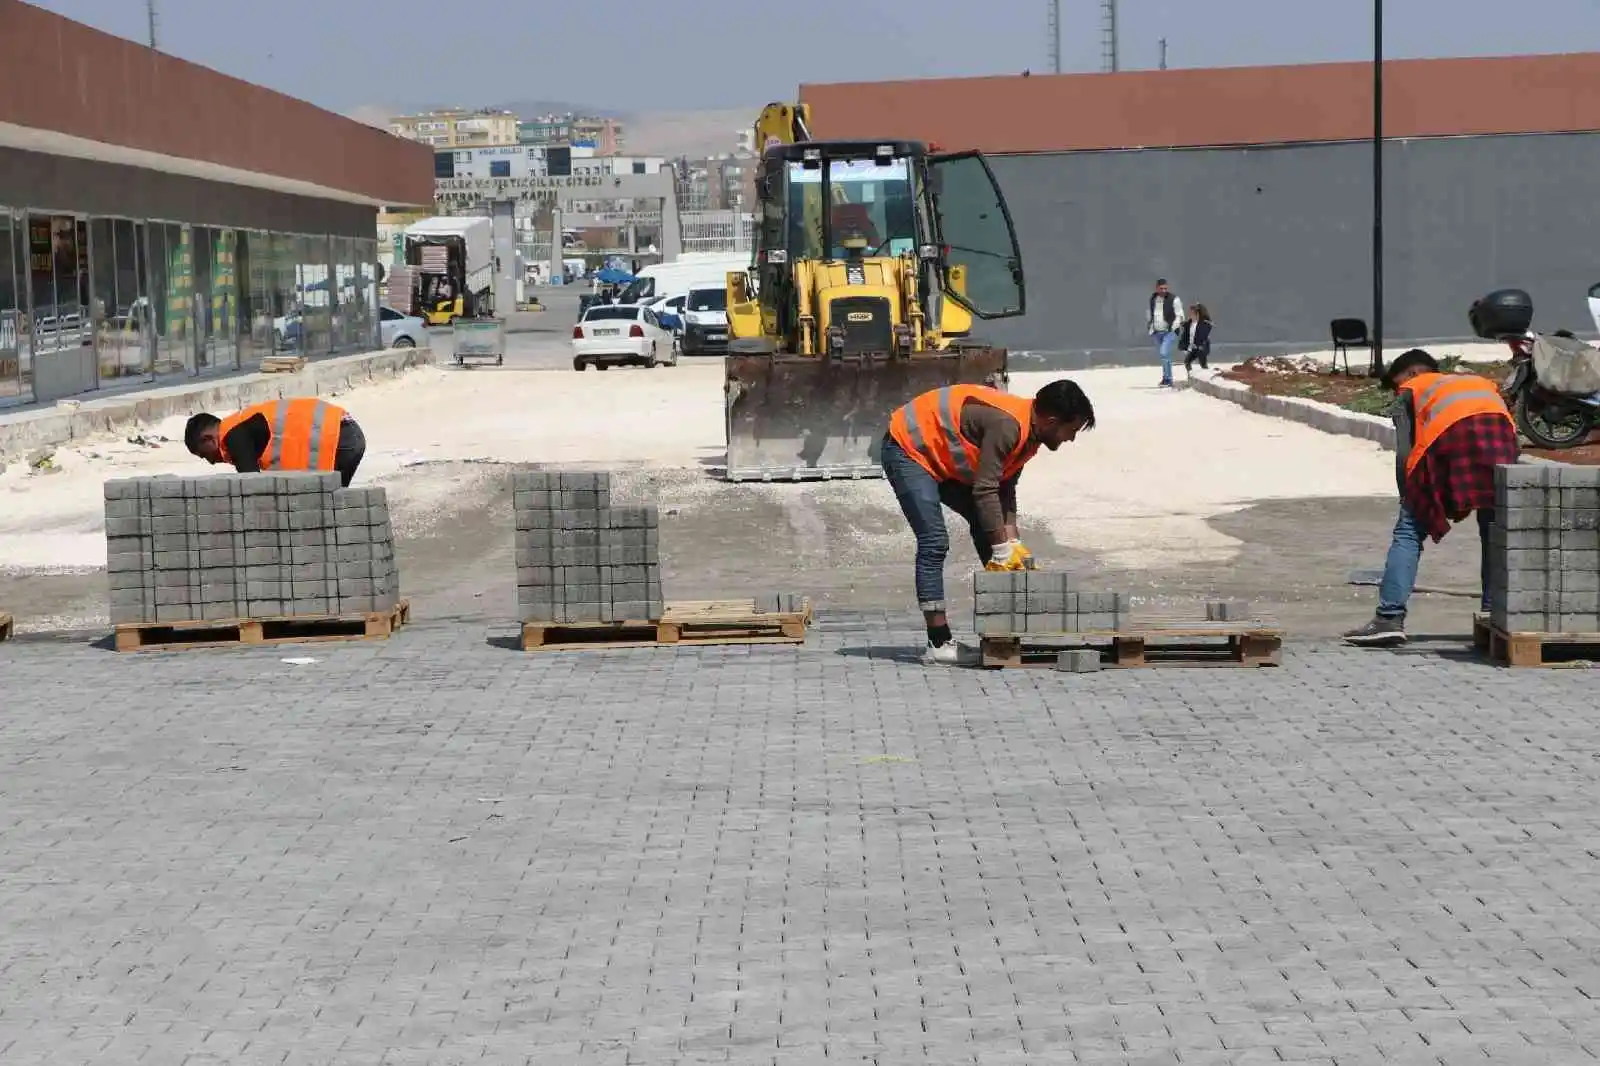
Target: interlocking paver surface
pixel 437 850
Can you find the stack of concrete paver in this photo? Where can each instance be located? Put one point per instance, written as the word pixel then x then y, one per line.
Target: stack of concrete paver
pixel 1015 603
pixel 579 559
pixel 1545 549
pixel 247 546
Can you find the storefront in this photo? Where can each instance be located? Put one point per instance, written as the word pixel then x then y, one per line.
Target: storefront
pixel 91 302
pixel 162 221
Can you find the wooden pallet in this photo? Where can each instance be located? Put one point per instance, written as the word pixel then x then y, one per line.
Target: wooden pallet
pixel 148 636
pixel 1568 650
pixel 684 622
pixel 5 626
pixel 282 364
pixel 1191 644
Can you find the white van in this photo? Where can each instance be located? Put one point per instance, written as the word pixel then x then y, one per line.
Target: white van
pixel 682 275
pixel 705 320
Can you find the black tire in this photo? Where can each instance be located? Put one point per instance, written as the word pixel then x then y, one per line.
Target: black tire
pixel 1573 433
pixel 650 363
pixel 579 365
pixel 404 342
pixel 602 366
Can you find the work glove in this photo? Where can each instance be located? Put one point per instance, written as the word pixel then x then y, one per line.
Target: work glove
pixel 1010 555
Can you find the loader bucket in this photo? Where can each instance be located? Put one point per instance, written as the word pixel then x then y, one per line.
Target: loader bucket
pixel 805 418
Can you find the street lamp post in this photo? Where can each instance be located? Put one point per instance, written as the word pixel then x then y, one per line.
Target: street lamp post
pixel 1377 188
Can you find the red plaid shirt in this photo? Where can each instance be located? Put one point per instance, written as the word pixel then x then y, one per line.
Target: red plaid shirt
pixel 1455 476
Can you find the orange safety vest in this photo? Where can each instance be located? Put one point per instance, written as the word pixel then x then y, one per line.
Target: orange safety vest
pixel 305 433
pixel 1442 400
pixel 929 429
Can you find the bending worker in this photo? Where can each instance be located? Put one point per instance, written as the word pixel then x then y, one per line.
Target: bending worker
pixel 963 447
pixel 301 434
pixel 1451 431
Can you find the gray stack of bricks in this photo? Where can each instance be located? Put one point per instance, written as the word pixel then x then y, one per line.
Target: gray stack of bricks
pixel 246 546
pixel 579 559
pixel 1545 549
pixel 1013 603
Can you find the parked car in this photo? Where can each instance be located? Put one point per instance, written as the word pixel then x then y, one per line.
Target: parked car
pixel 400 330
pixel 669 311
pixel 705 321
pixel 620 335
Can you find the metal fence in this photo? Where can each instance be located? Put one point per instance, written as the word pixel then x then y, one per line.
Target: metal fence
pixel 717 231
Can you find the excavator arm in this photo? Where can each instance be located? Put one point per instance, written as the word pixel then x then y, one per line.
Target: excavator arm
pixel 782 124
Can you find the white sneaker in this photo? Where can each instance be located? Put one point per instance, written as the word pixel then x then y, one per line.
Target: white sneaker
pixel 949 654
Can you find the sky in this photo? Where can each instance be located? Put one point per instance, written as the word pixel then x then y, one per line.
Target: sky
pixel 637 56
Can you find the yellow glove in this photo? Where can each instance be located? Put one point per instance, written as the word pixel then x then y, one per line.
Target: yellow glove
pixel 1010 555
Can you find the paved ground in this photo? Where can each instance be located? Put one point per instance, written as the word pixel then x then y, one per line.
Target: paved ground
pixel 438 850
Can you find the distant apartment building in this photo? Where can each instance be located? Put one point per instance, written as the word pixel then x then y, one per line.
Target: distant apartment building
pixel 716 184
pixel 537 161
pixel 602 134
pixel 457 128
pixel 744 142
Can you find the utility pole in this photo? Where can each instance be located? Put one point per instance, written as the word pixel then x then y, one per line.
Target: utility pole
pixel 1054 30
pixel 1108 36
pixel 1163 53
pixel 1377 187
pixel 150 15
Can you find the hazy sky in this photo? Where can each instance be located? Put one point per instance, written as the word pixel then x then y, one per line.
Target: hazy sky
pixel 651 55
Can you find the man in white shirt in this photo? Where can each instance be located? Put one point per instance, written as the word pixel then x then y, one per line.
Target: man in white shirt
pixel 1166 317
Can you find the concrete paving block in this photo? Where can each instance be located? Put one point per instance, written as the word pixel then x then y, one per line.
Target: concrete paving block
pixel 526 480
pixel 1043 624
pixel 995 625
pixel 1078 661
pixel 1580 559
pixel 1223 611
pixel 172 597
pixel 1047 603
pixel 985 603
pixel 1522 475
pixel 122 488
pixel 126 614
pixel 998 581
pixel 1573 476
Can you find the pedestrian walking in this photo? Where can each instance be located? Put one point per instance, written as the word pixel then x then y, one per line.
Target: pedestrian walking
pixel 1166 315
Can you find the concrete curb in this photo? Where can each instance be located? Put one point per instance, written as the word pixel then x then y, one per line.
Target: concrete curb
pixel 1317 415
pixel 66 421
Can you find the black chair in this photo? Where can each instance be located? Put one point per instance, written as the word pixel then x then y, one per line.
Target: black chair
pixel 1349 333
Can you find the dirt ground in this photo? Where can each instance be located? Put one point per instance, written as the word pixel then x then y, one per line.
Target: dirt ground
pixel 1314 380
pixel 720 540
pixel 1175 498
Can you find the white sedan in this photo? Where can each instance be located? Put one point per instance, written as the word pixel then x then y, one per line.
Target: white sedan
pixel 400 330
pixel 620 335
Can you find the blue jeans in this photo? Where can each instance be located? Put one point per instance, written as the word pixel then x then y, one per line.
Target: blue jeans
pixel 1166 341
pixel 922 500
pixel 1405 552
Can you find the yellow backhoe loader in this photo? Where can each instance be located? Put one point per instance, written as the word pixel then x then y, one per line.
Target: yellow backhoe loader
pixel 872 258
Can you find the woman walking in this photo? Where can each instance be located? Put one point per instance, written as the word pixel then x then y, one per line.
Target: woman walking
pixel 1197 343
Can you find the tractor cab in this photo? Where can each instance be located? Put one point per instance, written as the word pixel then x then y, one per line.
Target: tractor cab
pixel 876 214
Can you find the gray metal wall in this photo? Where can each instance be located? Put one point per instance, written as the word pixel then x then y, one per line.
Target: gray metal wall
pixel 60 183
pixel 1276 241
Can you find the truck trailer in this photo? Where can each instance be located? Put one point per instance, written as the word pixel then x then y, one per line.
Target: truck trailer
pixel 452 268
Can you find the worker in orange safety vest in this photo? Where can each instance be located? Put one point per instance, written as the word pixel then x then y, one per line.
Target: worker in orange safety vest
pixel 964 447
pixel 305 434
pixel 1451 431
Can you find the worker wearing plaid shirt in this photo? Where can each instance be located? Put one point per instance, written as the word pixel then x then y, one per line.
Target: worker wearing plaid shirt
pixel 1451 431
